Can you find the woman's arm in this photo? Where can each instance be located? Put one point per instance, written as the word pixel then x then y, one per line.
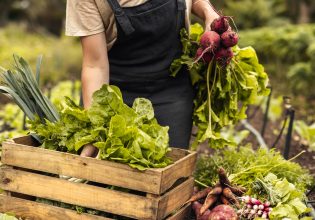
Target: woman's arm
pixel 95 73
pixel 204 10
pixel 95 66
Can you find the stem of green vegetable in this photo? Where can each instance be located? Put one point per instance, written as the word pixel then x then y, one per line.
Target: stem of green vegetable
pixel 201 184
pixel 208 89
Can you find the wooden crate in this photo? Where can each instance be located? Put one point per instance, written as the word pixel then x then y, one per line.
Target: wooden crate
pixel 153 194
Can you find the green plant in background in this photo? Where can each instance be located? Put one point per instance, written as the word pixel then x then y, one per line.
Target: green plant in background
pixel 306 133
pixel 62 55
pixel 244 165
pixel 7 216
pixel 232 134
pixel 288 53
pixel 11 117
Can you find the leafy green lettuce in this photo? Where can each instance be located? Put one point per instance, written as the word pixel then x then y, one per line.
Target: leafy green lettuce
pixel 121 133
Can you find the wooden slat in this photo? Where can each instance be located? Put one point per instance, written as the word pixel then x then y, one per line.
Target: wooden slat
pixel 98 198
pixel 177 154
pixel 175 198
pixel 182 214
pixel 100 171
pixel 184 167
pixel 36 211
pixel 106 172
pixel 26 140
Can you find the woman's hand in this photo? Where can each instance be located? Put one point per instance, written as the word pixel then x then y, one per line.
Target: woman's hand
pixel 204 10
pixel 95 73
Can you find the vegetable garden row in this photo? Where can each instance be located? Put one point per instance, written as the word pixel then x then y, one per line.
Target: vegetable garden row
pixel 136 174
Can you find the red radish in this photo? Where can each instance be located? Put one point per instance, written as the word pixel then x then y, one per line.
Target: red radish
pixel 224 56
pixel 229 38
pixel 220 24
pixel 210 41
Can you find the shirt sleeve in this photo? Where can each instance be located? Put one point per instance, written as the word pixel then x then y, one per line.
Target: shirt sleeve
pixel 83 18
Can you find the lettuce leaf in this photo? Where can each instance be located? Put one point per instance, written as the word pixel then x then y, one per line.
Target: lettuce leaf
pixel 121 133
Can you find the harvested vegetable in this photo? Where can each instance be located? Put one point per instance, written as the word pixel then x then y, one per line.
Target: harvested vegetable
pixel 121 133
pixel 224 200
pixel 223 212
pixel 220 24
pixel 254 208
pixel 224 180
pixel 210 200
pixel 196 206
pixel 199 195
pixel 244 165
pixel 210 41
pixel 285 199
pixel 225 85
pixel 229 39
pixel 221 193
pixel 227 193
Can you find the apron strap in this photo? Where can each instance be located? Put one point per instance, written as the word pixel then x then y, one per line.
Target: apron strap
pixel 121 17
pixel 181 5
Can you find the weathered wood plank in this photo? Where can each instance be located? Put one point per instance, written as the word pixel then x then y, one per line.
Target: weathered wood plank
pixel 184 167
pixel 175 198
pixel 26 140
pixel 182 214
pixel 98 198
pixel 155 181
pixel 36 211
pixel 177 154
pixel 100 171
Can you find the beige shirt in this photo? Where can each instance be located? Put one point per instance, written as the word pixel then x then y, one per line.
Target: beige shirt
pixel 88 17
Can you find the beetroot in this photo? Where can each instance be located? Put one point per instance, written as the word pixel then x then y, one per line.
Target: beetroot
pixel 224 56
pixel 210 40
pixel 220 25
pixel 205 215
pixel 196 206
pixel 223 212
pixel 199 52
pixel 207 56
pixel 229 38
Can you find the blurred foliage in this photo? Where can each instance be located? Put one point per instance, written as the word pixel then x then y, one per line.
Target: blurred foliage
pixel 62 56
pixel 258 13
pixel 288 53
pixel 43 14
pixel 306 133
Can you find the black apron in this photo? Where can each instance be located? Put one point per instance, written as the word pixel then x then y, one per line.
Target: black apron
pixel 148 41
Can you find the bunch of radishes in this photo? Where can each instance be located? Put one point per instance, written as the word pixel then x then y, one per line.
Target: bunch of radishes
pixel 216 44
pixel 254 208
